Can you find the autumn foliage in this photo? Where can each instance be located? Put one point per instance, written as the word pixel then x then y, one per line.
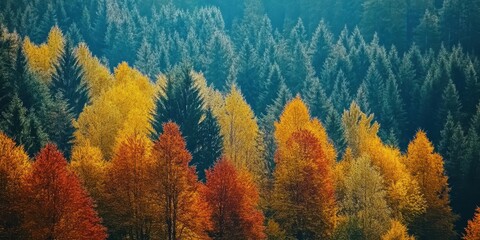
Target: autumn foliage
pixel 233 198
pixel 472 232
pixel 185 212
pixel 57 205
pixel 304 189
pixel 14 165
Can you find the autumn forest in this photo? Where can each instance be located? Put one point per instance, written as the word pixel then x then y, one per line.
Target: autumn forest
pixel 240 119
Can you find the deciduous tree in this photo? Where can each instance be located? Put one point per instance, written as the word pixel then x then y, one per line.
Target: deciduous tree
pixel 185 213
pixel 57 205
pixel 233 197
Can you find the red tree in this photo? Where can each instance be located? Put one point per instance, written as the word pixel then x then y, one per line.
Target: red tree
pixel 185 212
pixel 233 198
pixel 57 205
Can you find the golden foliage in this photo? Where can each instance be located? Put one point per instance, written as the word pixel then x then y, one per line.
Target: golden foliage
pixel 43 58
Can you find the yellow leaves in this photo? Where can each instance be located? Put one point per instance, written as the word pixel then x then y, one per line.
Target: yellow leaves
pixel 97 76
pixel 119 112
pixel 87 162
pixel 42 58
pixel 397 231
pixel 296 117
pixel 14 162
pixel 240 133
pixel 404 196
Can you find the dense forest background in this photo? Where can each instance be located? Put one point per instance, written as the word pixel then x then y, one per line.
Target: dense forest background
pixel 411 64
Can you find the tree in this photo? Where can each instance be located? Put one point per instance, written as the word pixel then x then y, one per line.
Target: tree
pixel 185 213
pixel 219 60
pixel 88 163
pixel 97 77
pixel 182 101
pixel 365 198
pixel 304 194
pixel 397 231
pixel 14 165
pixel 426 167
pixel 403 193
pixel 131 211
pixel 211 140
pixel 57 205
pixel 472 231
pixel 241 134
pixel 294 117
pixel 233 197
pixel 43 58
pixel 69 81
pixel 120 111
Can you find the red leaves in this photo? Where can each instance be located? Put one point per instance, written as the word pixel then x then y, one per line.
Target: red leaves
pixel 186 214
pixel 233 197
pixel 58 207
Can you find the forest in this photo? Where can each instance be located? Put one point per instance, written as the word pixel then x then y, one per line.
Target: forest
pixel 240 119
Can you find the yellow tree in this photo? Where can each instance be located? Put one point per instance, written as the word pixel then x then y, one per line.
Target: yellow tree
pixel 14 165
pixel 364 199
pixel 119 112
pixel 241 137
pixel 131 211
pixel 88 163
pixel 426 167
pixel 96 75
pixel 296 117
pixel 304 192
pixel 397 231
pixel 403 193
pixel 43 58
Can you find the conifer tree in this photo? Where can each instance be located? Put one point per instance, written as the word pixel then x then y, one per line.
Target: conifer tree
pixel 68 80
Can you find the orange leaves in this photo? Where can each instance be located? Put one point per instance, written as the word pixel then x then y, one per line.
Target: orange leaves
pixel 14 165
pixel 295 117
pixel 129 194
pixel 233 197
pixel 185 212
pixel 472 231
pixel 304 187
pixel 426 167
pixel 57 205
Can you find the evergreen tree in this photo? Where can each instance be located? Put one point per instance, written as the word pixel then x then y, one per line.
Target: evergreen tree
pixel 15 122
pixel 68 80
pixel 147 60
pixel 267 128
pixel 60 128
pixel 453 147
pixel 211 142
pixel 182 103
pixel 248 75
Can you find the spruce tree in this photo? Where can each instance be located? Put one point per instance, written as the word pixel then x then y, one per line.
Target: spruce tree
pixel 69 81
pixel 210 144
pixel 182 103
pixel 453 147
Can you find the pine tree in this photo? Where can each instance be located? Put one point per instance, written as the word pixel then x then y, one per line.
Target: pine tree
pixel 68 80
pixel 454 149
pixel 147 60
pixel 183 104
pixel 211 143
